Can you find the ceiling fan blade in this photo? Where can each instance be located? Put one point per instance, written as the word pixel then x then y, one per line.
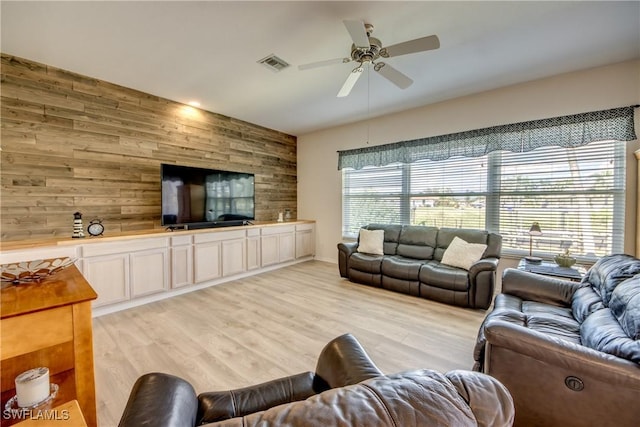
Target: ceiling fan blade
pixel 411 46
pixel 394 76
pixel 350 82
pixel 358 33
pixel 324 63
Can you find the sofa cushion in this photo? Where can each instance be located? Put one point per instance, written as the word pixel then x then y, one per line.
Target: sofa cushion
pixel 401 268
pixel 365 262
pixel 444 276
pixel 446 235
pixel 625 306
pixel 601 331
pixel 391 236
pixel 371 241
pixel 417 242
pixel 463 254
pixel 585 301
pixel 609 271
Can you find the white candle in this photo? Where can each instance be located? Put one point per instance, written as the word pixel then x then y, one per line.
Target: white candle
pixel 32 386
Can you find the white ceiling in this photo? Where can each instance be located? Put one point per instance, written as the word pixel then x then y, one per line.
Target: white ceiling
pixel 207 50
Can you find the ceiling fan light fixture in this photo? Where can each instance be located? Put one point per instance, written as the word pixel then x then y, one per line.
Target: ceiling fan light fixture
pixel 366 50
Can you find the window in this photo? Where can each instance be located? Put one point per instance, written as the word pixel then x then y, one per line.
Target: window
pixel 576 194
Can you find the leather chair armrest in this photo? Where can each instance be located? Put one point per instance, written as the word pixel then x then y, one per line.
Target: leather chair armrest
pixel 160 400
pixel 536 287
pixel 484 264
pixel 343 361
pixel 344 252
pixel 488 399
pixel 223 405
pixel 482 275
pixel 554 351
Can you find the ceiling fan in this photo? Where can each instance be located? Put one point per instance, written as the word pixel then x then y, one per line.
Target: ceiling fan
pixel 366 50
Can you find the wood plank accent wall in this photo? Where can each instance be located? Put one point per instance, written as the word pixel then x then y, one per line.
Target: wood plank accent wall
pixel 74 143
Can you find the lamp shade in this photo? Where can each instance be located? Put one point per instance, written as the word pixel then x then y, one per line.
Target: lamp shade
pixel 535 229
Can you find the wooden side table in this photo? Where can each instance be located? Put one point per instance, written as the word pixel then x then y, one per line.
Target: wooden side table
pixel 66 415
pixel 49 324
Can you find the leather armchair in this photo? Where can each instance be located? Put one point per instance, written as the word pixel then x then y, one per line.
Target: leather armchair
pixel 347 389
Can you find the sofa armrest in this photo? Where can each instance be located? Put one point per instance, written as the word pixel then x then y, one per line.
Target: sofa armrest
pixel 488 399
pixel 482 277
pixel 484 264
pixel 558 352
pixel 160 400
pixel 343 361
pixel 536 287
pixel 223 405
pixel 344 252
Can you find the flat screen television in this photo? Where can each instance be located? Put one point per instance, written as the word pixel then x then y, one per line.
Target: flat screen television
pixel 200 198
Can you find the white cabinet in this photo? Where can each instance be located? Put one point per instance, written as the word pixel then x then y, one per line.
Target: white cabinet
pixel 109 277
pixel 277 244
pixel 181 261
pixel 219 254
pixel 130 270
pixel 305 240
pixel 149 271
pixel 206 261
pixel 119 271
pixel 233 257
pixel 253 248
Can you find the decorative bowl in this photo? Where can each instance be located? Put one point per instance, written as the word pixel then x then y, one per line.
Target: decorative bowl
pixel 33 271
pixel 564 260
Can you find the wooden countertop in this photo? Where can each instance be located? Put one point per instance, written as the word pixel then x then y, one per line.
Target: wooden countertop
pixel 156 232
pixel 64 287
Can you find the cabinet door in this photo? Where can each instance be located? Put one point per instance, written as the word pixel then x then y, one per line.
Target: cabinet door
pixel 181 266
pixel 149 272
pixel 253 253
pixel 109 276
pixel 206 261
pixel 233 257
pixel 286 247
pixel 304 243
pixel 269 249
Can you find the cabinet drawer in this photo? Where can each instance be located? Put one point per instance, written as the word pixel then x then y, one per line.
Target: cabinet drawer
pixel 252 232
pixel 109 248
pixel 267 231
pixel 304 227
pixel 181 240
pixel 218 236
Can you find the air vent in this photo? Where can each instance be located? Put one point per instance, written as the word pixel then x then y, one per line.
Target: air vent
pixel 273 63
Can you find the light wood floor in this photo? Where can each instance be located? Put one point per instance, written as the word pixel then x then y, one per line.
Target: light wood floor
pixel 271 325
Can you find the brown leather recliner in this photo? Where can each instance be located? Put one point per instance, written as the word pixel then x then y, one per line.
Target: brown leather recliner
pixel 347 389
pixel 568 352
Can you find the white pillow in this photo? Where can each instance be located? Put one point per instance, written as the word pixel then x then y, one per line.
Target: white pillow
pixel 371 242
pixel 462 254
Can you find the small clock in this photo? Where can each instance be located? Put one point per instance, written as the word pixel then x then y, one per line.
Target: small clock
pixel 95 228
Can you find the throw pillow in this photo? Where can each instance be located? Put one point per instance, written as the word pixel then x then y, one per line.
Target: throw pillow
pixel 371 242
pixel 462 254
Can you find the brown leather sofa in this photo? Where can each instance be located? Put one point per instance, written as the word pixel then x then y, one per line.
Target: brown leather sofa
pixel 347 389
pixel 411 264
pixel 568 352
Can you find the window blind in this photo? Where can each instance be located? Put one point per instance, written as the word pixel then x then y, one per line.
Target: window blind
pixel 576 194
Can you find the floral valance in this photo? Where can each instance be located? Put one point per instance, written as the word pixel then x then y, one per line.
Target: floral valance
pixel 567 131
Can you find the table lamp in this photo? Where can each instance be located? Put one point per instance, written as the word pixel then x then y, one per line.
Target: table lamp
pixel 533 231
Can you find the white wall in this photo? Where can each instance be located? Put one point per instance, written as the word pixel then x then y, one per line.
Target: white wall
pixel 319 181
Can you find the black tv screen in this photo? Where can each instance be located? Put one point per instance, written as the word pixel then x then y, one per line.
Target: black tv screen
pixel 205 196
